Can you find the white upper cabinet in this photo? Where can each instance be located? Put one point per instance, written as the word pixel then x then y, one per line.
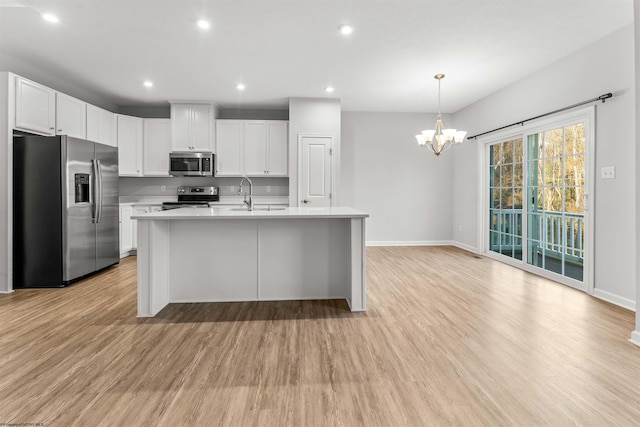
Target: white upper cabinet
pixel 252 147
pixel 129 136
pixel 255 148
pixel 191 127
pixel 71 116
pixel 101 126
pixel 35 107
pixel 156 146
pixel 278 150
pixel 229 148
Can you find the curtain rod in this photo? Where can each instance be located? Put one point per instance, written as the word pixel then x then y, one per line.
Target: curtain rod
pixel 602 98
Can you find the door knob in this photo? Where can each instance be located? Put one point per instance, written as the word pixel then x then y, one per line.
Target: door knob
pixel 305 201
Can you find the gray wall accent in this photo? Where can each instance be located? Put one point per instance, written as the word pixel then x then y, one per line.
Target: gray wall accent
pixel 604 66
pixel 405 188
pixel 252 114
pixel 72 83
pixel 146 111
pixel 228 186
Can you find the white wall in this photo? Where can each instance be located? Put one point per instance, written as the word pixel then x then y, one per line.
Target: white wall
pixel 405 188
pixel 6 181
pixel 605 66
pixel 318 116
pixel 635 336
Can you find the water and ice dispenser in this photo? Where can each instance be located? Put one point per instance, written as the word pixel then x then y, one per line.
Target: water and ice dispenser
pixel 82 188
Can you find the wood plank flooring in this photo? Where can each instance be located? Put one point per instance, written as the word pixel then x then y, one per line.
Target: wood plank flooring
pixel 449 338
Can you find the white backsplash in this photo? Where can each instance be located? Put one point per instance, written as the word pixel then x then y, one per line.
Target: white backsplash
pixel 145 187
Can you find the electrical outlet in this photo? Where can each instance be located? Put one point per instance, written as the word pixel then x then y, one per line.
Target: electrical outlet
pixel 268 189
pixel 608 172
pixel 163 188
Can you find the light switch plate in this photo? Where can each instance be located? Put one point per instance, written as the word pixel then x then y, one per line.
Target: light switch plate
pixel 608 172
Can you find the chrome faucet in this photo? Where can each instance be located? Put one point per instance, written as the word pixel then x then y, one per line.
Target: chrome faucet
pixel 250 202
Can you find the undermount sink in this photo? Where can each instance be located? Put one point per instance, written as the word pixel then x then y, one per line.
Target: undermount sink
pixel 260 208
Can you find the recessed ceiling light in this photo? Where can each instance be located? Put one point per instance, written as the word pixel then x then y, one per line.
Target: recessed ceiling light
pixel 50 18
pixel 204 24
pixel 148 83
pixel 345 29
pixel 240 86
pixel 329 89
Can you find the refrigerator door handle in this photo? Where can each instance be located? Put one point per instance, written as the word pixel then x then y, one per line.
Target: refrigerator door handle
pixel 99 195
pixel 93 196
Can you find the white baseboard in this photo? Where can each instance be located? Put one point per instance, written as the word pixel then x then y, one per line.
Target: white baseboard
pixel 424 243
pixel 615 299
pixel 128 253
pixel 411 243
pixel 635 338
pixel 465 247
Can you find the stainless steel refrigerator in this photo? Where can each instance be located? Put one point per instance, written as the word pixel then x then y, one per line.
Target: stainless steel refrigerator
pixel 65 209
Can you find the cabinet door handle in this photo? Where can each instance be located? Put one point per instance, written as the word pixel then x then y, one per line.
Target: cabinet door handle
pixel 305 201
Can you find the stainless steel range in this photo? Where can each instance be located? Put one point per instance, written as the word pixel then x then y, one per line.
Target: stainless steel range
pixel 193 197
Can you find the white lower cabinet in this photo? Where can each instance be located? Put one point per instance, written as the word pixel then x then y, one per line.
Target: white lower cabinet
pixel 139 210
pixel 126 227
pixel 129 227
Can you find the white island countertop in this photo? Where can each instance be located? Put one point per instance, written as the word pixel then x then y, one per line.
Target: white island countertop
pixel 258 213
pixel 292 253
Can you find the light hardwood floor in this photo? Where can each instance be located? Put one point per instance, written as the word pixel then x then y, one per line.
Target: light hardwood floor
pixel 449 338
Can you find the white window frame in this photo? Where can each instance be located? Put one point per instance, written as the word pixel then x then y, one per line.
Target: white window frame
pixel 586 115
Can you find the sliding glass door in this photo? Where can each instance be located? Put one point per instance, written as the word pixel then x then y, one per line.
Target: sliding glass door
pixel 537 197
pixel 506 195
pixel 556 193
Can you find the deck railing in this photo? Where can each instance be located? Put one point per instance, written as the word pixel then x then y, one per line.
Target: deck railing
pixel 557 233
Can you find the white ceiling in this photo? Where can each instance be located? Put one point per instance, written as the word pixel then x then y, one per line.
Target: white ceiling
pixel 292 48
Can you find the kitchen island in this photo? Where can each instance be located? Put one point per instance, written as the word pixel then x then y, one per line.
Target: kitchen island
pixel 194 255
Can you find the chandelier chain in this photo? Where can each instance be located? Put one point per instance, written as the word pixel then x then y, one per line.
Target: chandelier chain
pixel 439 109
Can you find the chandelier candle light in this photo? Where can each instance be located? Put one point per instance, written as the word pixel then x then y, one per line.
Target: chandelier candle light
pixel 439 139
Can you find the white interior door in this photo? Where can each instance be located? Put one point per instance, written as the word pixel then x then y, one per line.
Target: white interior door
pixel 314 154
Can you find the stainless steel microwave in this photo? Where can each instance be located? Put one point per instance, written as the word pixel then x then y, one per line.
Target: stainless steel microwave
pixel 191 163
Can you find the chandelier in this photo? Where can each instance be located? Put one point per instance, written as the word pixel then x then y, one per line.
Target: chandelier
pixel 439 139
